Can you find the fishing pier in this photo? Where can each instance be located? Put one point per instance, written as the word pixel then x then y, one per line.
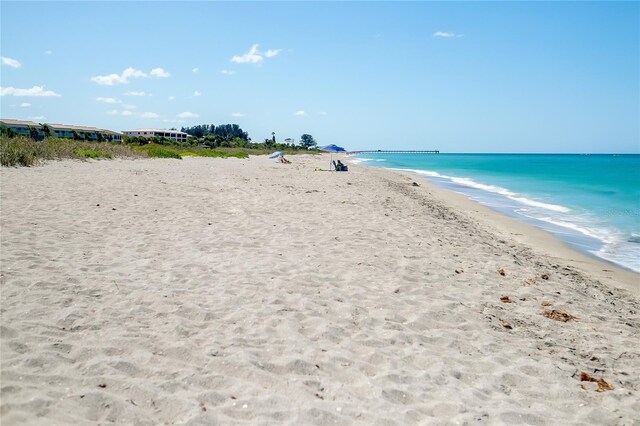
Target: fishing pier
pixel 386 151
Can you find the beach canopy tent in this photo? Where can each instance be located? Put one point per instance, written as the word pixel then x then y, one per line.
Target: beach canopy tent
pixel 276 154
pixel 331 148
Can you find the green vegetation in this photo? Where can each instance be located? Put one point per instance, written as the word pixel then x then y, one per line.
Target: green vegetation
pixel 23 151
pixel 307 141
pixel 154 150
pixel 214 154
pixel 232 136
pixel 226 135
pixel 18 150
pixel 157 151
pixel 91 153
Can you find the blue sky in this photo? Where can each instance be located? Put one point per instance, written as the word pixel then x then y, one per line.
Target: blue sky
pixel 457 76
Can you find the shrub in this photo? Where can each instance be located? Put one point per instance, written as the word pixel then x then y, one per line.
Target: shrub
pixel 19 151
pixel 91 153
pixel 22 151
pixel 157 151
pixel 220 154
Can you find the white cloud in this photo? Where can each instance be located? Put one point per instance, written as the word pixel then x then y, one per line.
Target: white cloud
pixel 126 106
pixel 38 117
pixel 112 112
pixel 253 56
pixel 25 105
pixel 108 100
pixel 34 91
pixel 300 113
pixel 227 72
pixel 49 52
pixel 123 78
pixel 171 98
pixel 13 63
pixel 188 114
pixel 322 113
pixel 159 72
pixel 126 113
pixel 237 114
pixel 149 115
pixel 134 94
pixel 443 34
pixel 272 52
pixel 132 72
pixel 196 93
pixel 195 70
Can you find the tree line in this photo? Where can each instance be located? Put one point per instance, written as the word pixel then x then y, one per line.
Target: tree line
pixel 224 131
pixel 232 135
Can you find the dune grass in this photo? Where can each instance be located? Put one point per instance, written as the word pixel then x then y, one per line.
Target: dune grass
pixel 25 152
pixel 92 153
pixel 22 151
pixel 157 151
pixel 167 151
pixel 214 154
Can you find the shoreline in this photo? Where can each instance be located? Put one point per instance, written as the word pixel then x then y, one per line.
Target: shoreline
pixel 533 236
pixel 246 290
pixel 538 239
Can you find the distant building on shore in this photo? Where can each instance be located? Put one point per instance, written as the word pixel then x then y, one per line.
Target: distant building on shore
pixel 38 131
pixel 159 133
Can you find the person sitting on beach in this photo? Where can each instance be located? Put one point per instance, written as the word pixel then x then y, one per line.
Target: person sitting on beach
pixel 283 160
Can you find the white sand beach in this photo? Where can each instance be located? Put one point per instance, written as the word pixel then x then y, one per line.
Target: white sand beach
pixel 227 291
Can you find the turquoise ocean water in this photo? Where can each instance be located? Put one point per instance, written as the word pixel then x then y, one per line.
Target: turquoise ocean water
pixel 592 202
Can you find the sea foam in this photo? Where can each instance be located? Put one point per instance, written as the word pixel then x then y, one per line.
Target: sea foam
pixel 470 183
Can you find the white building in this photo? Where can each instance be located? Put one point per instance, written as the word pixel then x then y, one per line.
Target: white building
pixel 159 133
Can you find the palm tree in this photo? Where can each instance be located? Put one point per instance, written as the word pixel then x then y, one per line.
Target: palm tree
pixel 46 129
pixel 8 132
pixel 33 133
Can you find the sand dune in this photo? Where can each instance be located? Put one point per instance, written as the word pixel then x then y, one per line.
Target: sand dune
pixel 208 291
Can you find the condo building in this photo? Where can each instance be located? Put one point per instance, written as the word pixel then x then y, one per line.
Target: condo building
pixel 159 133
pixel 39 131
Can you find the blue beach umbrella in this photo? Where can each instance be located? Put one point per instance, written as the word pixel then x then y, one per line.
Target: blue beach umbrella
pixel 331 148
pixel 276 154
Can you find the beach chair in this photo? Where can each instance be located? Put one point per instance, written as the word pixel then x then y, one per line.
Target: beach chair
pixel 339 167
